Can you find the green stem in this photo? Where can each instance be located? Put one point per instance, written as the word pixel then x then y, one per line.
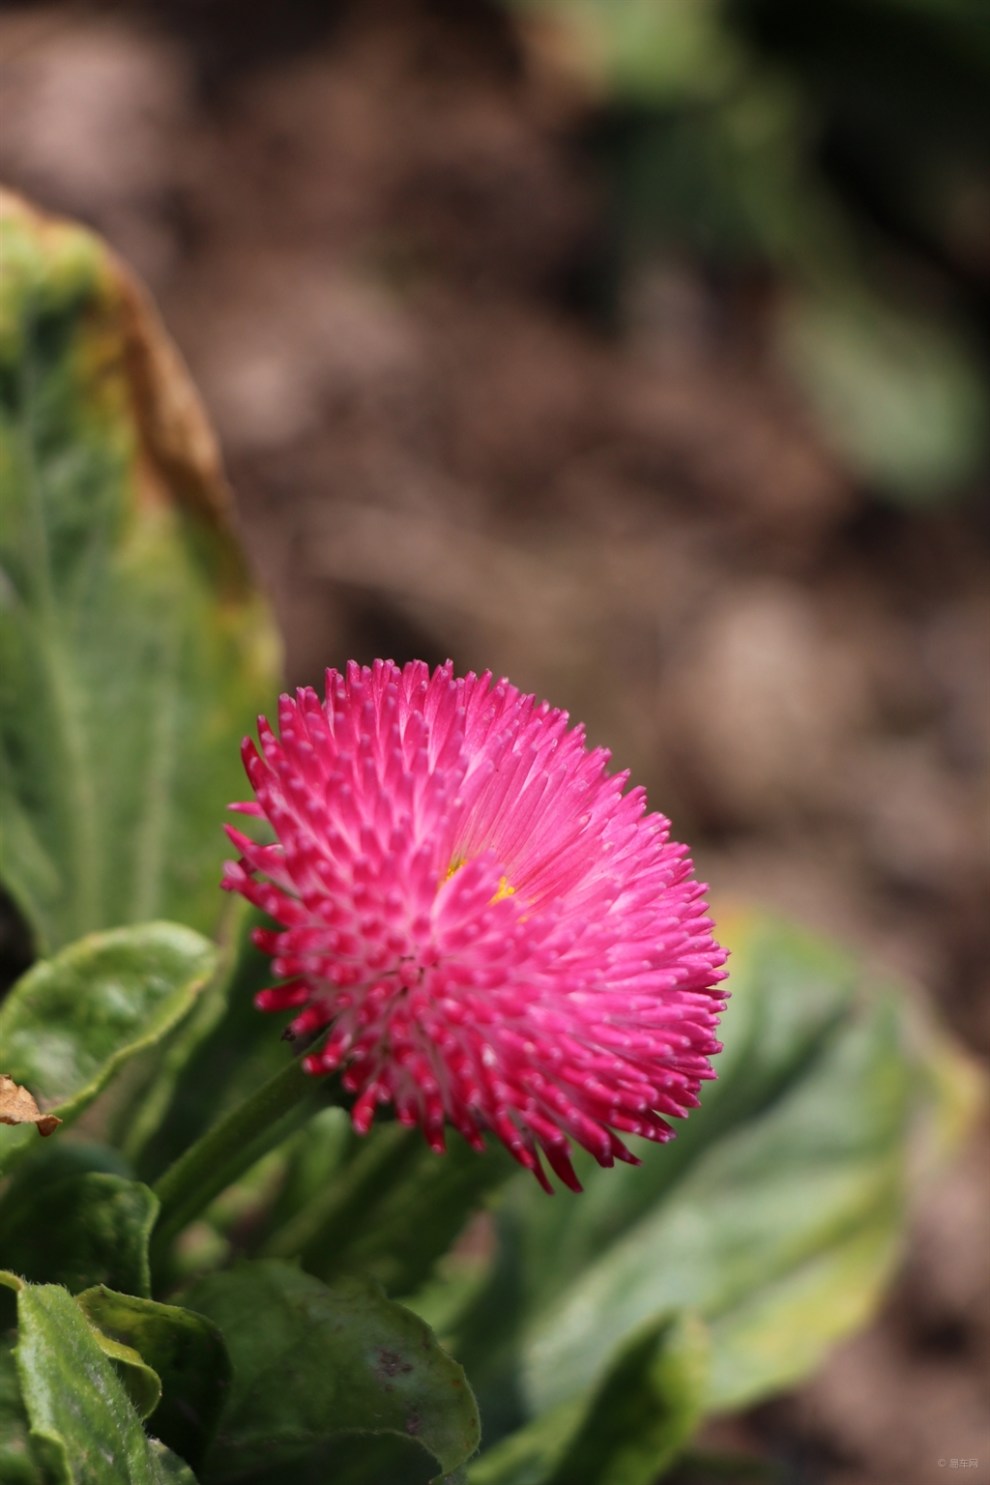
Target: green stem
pixel 275 1110
pixel 372 1172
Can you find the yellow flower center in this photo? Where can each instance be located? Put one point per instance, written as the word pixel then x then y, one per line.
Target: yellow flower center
pixel 505 887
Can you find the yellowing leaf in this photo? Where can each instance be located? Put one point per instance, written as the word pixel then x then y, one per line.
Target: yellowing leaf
pixel 134 651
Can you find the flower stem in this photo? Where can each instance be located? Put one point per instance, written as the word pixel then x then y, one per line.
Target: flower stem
pixel 272 1112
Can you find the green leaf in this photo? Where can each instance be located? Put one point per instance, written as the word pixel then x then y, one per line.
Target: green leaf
pixel 627 1431
pixel 642 51
pixel 776 1215
pixel 140 1381
pixel 57 1160
pixel 900 394
pixel 791 993
pixel 313 1362
pixel 16 1464
pixel 82 1230
pixel 772 1206
pixel 83 1427
pixel 188 1354
pixel 171 1469
pixel 71 1021
pixel 131 640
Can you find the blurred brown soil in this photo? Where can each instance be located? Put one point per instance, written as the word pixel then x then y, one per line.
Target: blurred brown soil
pixel 372 234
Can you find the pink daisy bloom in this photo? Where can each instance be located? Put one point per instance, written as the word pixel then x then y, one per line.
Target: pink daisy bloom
pixel 495 934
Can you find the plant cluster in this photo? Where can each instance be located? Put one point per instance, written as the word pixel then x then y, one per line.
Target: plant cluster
pixel 210 1269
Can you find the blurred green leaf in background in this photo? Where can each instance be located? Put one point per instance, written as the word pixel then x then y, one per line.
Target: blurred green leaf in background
pixel 776 1216
pixel 835 157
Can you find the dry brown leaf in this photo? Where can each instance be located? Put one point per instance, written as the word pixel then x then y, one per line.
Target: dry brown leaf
pixel 17 1106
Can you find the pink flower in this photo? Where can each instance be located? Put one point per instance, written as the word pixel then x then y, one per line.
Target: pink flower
pixel 495 935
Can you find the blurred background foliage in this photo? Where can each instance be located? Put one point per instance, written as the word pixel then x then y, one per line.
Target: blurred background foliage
pixel 834 157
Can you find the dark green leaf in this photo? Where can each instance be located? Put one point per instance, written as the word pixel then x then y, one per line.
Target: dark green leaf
pixel 81 1230
pixel 131 641
pixel 16 1464
pixel 57 1160
pixel 10 1287
pixel 71 1021
pixel 186 1351
pixel 313 1362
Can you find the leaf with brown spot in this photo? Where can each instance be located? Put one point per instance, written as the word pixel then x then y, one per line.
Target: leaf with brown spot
pixel 315 1364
